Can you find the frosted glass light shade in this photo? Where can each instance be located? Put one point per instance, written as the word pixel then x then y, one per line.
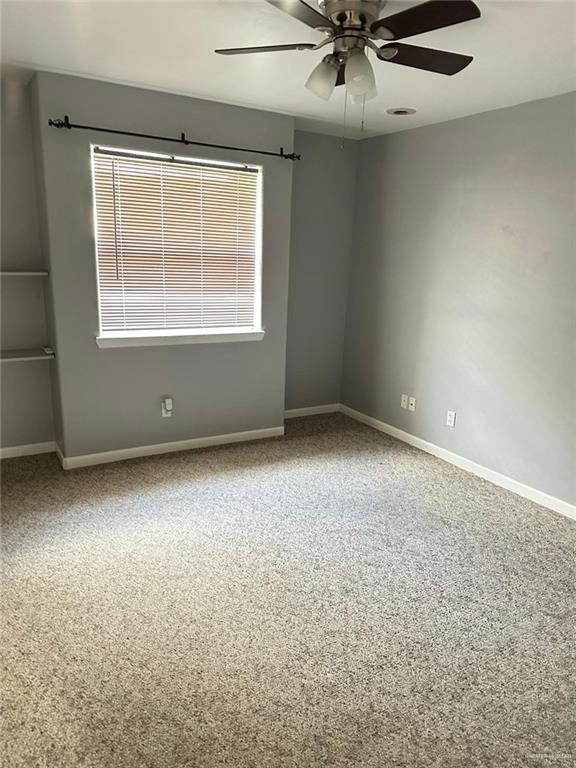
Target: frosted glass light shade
pixel 358 74
pixel 372 93
pixel 322 80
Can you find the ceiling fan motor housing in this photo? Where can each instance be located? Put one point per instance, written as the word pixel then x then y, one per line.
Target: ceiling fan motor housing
pixel 358 14
pixel 352 19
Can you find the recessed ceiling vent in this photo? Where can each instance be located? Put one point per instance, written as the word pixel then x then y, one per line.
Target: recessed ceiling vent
pixel 401 111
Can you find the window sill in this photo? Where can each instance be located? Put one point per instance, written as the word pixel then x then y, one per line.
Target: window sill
pixel 170 338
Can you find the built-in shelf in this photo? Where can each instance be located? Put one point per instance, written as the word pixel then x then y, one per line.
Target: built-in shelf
pixel 23 274
pixel 19 355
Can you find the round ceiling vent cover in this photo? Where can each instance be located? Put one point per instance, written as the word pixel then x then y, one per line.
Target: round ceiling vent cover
pixel 401 111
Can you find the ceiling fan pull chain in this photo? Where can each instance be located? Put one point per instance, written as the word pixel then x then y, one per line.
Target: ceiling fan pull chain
pixel 363 112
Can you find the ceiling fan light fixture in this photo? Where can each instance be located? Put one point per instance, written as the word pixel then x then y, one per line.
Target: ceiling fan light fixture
pixel 322 80
pixel 359 75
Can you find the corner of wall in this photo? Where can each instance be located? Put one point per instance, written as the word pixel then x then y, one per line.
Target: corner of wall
pixel 35 95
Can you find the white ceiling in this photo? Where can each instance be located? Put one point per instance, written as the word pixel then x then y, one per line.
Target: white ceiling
pixel 523 50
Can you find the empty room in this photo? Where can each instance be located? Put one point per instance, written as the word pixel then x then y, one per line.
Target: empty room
pixel 288 392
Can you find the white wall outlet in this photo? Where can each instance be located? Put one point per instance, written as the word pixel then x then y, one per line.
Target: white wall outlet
pixel 167 407
pixel 412 404
pixel 404 401
pixel 451 418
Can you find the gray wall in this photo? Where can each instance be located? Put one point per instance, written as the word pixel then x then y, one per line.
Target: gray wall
pixel 463 288
pixel 26 408
pixel 110 398
pixel 323 194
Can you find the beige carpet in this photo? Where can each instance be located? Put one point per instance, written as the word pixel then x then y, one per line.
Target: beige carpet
pixel 332 598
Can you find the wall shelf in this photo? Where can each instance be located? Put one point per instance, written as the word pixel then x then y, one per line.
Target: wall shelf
pixel 23 274
pixel 20 355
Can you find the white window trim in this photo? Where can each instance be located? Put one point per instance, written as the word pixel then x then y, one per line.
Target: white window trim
pixel 176 336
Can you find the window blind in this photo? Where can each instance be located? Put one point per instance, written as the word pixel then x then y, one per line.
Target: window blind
pixel 177 243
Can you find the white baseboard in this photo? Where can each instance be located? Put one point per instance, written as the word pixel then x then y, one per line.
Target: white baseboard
pixel 312 410
pixel 73 462
pixel 526 491
pixel 89 459
pixel 31 449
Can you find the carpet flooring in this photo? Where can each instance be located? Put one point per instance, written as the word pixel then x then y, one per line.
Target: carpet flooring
pixel 331 598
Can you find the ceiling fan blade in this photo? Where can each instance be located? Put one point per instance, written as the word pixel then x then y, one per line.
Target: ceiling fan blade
pixel 300 10
pixel 443 62
pixel 341 80
pixel 425 17
pixel 266 49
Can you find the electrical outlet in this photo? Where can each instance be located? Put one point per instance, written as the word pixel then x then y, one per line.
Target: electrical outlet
pixel 404 401
pixel 451 419
pixel 167 407
pixel 412 404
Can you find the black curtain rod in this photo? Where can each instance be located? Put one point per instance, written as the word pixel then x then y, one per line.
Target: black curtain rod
pixel 58 123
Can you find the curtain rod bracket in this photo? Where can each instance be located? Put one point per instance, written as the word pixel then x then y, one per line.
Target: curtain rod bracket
pixel 65 123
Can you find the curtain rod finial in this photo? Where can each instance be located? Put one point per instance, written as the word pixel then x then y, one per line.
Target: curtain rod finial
pixel 58 123
pixel 288 155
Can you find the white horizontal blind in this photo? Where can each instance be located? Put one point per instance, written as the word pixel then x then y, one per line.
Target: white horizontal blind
pixel 177 243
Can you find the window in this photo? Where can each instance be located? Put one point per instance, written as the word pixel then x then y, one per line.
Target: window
pixel 178 247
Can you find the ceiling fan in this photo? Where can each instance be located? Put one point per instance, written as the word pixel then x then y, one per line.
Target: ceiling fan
pixel 352 26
